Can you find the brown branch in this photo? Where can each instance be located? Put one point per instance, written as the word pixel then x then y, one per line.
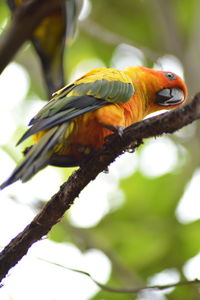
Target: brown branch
pixel 62 200
pixel 26 18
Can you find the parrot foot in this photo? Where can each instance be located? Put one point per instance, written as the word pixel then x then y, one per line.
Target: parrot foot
pixel 116 129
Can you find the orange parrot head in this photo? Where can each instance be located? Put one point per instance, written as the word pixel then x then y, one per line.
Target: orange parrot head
pixel 158 89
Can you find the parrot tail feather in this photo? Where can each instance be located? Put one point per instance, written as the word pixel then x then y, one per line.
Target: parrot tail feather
pixel 37 157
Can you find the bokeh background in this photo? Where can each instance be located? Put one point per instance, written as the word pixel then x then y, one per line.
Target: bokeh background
pixel 139 224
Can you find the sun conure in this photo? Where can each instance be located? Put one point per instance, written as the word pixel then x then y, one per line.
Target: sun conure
pixel 80 115
pixel 49 39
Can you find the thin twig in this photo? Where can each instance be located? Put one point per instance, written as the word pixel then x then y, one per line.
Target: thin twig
pixel 85 239
pixel 64 198
pixel 128 290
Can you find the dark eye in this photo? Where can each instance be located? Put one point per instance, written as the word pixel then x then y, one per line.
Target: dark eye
pixel 170 76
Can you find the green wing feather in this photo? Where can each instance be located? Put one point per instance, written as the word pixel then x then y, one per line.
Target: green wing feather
pixel 77 99
pixel 112 91
pixel 86 94
pixel 71 108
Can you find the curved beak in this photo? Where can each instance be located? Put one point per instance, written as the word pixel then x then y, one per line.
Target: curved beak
pixel 167 97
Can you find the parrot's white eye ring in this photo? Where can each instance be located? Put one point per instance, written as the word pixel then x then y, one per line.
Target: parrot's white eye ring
pixel 170 76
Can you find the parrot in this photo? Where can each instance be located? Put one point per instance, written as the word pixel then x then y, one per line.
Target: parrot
pixel 82 114
pixel 49 39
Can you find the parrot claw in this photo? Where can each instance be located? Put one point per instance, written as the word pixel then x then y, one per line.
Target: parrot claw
pixel 116 129
pixel 120 130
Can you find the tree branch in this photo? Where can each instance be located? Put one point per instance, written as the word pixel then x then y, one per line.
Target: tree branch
pixel 64 198
pixel 26 18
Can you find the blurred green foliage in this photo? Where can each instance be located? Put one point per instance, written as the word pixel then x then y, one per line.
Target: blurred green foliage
pixel 143 236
